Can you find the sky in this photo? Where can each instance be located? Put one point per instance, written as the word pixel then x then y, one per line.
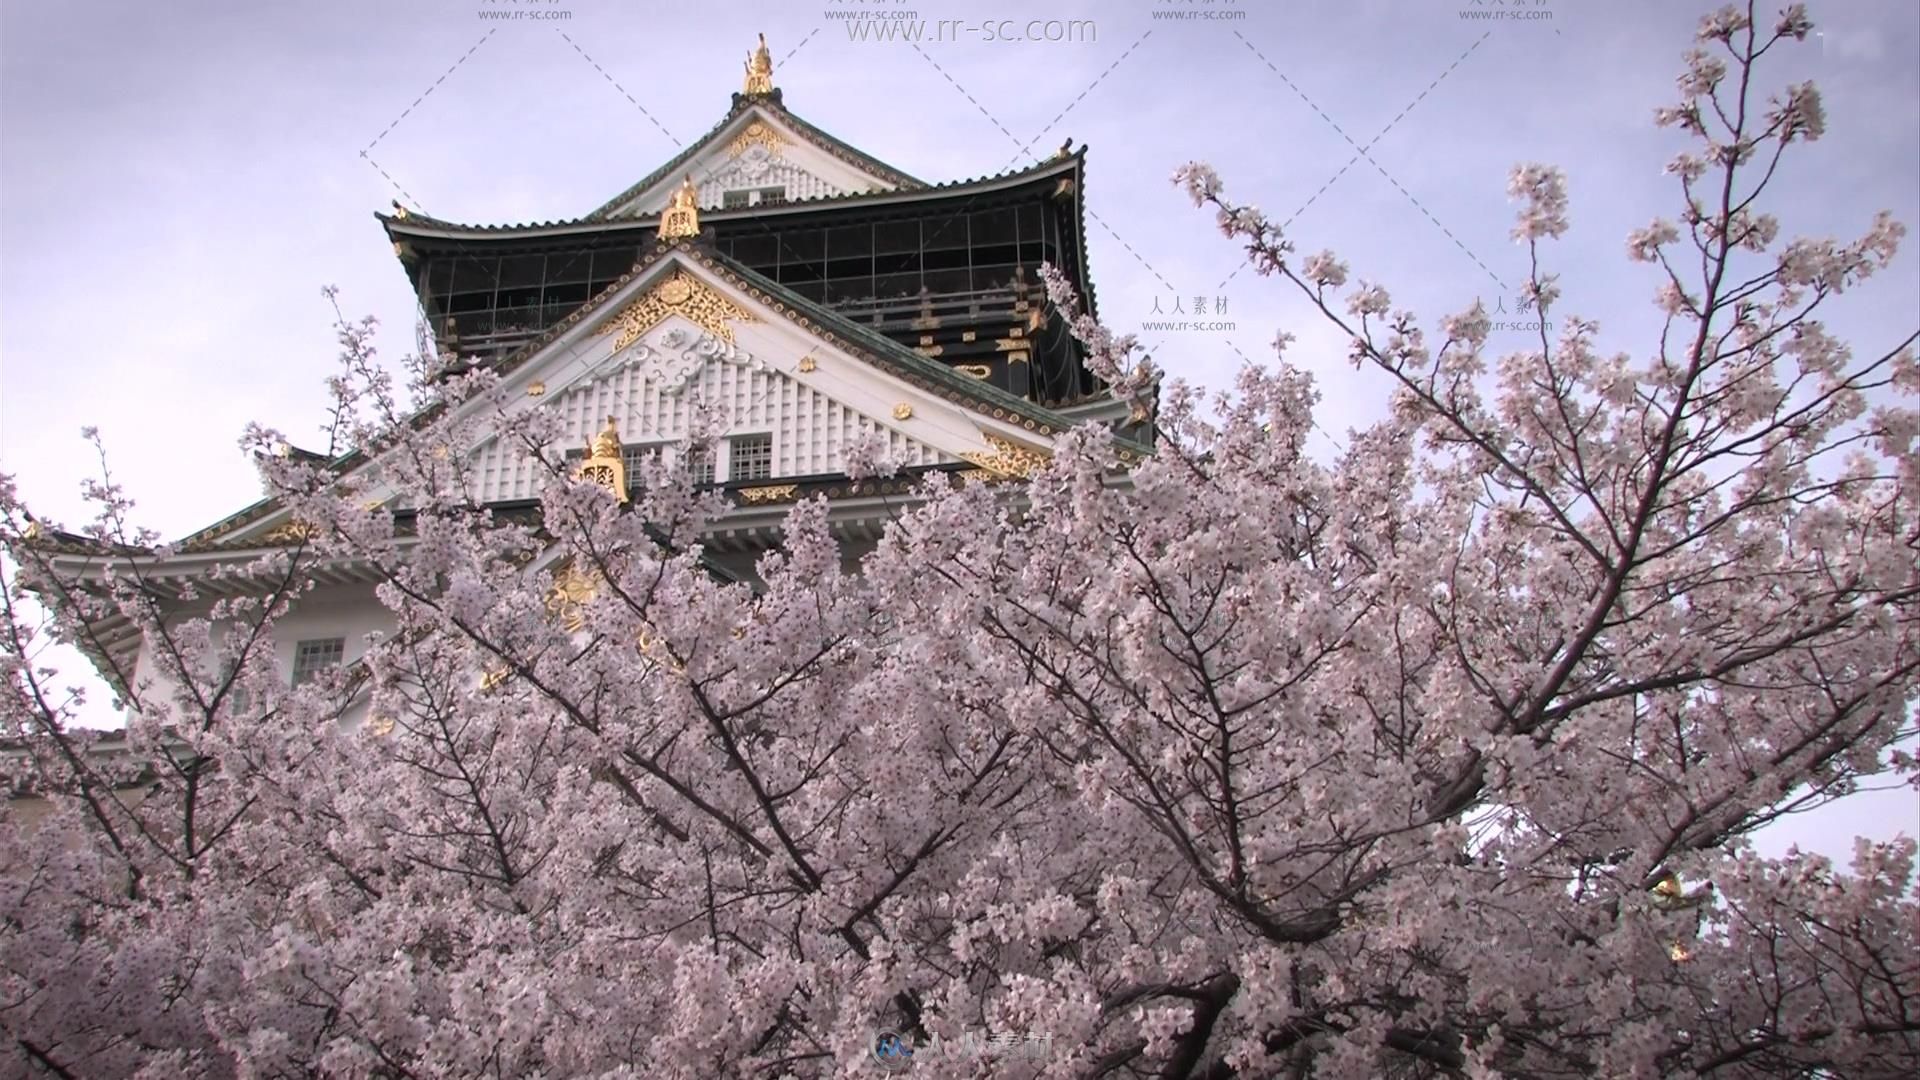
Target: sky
pixel 179 181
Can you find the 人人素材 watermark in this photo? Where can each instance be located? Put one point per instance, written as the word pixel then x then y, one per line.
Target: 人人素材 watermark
pixel 1183 312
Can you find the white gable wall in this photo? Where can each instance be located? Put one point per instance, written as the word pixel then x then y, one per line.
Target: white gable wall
pixel 805 170
pixel 756 384
pixel 811 430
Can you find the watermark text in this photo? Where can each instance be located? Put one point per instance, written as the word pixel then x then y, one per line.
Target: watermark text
pixel 878 26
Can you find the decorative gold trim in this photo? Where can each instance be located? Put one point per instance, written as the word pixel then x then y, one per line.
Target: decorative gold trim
pixel 929 350
pixel 808 364
pixel 573 589
pixel 494 678
pixel 903 411
pixel 293 532
pixel 1009 344
pixel 757 133
pixel 1009 458
pixel 759 70
pixel 976 371
pixel 380 726
pixel 926 339
pixel 682 215
pixel 1017 358
pixel 536 388
pixel 772 493
pixel 681 294
pixel 968 335
pixel 605 465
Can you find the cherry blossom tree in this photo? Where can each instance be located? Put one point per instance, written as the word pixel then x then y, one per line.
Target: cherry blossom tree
pixel 1436 756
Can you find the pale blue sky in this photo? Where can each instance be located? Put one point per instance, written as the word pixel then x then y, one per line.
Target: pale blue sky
pixel 177 181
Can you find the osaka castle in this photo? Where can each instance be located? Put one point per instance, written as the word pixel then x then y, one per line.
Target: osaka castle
pixel 811 296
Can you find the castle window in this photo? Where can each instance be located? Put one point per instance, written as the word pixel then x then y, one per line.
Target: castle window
pixel 634 455
pixel 741 198
pixel 699 462
pixel 750 457
pixel 310 658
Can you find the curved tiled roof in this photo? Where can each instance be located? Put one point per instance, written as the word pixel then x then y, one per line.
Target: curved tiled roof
pixel 413 221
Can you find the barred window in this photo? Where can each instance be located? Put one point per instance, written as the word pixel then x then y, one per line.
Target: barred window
pixel 239 700
pixel 742 198
pixel 312 657
pixel 634 456
pixel 699 461
pixel 750 457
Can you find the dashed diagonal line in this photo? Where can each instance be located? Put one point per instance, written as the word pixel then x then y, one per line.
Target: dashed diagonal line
pixel 1438 79
pixel 1017 154
pixel 1436 224
pixel 1301 94
pixel 425 94
pixel 963 92
pixel 404 193
pixel 1360 152
pixel 623 90
pixel 797 48
pixel 1129 247
pixel 1096 82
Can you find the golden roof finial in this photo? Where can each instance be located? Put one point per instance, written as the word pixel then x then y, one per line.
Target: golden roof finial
pixel 607 443
pixel 605 465
pixel 682 215
pixel 760 69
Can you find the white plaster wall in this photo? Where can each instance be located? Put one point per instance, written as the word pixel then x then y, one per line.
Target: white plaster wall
pixel 757 168
pixel 812 427
pixel 805 169
pixel 346 611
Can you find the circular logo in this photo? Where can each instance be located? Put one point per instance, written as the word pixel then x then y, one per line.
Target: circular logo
pixel 676 291
pixel 892 1051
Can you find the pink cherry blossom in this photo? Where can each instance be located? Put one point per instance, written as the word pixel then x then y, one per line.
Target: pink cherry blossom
pixel 1439 754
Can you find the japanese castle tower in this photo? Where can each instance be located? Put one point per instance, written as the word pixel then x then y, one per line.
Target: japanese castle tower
pixel 809 294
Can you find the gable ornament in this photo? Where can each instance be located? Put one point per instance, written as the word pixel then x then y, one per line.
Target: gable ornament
pixel 604 464
pixel 680 294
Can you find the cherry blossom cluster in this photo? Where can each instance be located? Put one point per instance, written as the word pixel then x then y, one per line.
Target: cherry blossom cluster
pixel 1438 755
